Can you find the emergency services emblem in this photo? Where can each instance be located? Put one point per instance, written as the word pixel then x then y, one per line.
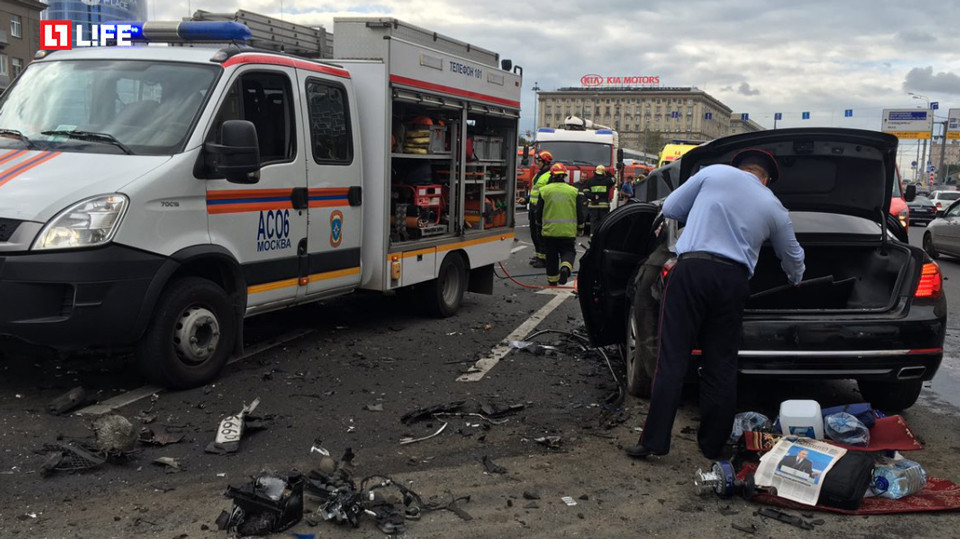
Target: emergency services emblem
pixel 336 228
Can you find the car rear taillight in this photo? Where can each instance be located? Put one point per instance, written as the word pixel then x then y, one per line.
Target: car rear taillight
pixel 931 282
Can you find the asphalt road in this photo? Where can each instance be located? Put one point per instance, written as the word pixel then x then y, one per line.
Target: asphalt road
pixel 365 350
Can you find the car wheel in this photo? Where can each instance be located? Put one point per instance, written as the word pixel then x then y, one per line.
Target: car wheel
pixel 442 296
pixel 190 336
pixel 928 246
pixel 890 397
pixel 639 381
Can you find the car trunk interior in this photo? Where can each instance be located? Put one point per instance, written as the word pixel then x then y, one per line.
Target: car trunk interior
pixel 837 277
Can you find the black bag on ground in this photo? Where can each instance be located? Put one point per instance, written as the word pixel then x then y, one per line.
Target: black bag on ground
pixel 847 482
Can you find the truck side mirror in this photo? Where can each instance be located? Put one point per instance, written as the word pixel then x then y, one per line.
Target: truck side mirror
pixel 526 156
pixel 911 193
pixel 238 156
pixel 506 65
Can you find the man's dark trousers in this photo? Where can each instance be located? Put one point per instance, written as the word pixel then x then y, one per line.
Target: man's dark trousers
pixel 597 215
pixel 703 303
pixel 561 252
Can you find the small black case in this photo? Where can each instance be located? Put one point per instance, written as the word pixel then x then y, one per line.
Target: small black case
pixel 847 482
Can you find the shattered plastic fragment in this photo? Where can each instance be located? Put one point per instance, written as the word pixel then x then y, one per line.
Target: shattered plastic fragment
pixel 553 442
pixel 68 401
pixel 405 441
pixel 569 501
pixel 491 466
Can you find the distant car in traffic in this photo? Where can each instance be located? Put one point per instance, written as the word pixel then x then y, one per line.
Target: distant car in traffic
pixel 871 307
pixel 942 199
pixel 922 210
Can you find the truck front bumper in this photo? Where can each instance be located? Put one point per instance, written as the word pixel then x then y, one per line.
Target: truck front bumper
pixel 76 298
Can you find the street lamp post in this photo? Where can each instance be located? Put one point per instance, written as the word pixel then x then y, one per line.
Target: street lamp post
pixel 536 100
pixel 922 161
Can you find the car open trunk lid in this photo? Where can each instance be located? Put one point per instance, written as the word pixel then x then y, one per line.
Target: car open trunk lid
pixel 847 171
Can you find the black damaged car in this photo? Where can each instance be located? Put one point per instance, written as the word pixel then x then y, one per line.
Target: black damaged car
pixel 871 307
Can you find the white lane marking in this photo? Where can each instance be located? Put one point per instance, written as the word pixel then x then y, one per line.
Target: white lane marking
pixel 130 397
pixel 517 249
pixel 483 366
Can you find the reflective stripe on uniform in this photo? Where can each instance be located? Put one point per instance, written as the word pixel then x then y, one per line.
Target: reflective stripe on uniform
pixel 559 210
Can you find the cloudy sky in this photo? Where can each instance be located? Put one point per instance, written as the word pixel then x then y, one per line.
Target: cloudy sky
pixel 757 56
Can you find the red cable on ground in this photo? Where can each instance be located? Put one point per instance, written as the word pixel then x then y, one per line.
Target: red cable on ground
pixel 537 287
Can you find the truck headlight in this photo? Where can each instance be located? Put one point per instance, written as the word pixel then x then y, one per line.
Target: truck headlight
pixel 85 224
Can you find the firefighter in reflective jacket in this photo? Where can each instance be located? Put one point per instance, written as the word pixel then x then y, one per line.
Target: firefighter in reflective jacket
pixel 597 191
pixel 539 179
pixel 560 211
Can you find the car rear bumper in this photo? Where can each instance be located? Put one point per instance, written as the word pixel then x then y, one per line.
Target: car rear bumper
pixel 78 298
pixel 889 365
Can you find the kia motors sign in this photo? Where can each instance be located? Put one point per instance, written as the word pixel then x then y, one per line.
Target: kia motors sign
pixel 593 80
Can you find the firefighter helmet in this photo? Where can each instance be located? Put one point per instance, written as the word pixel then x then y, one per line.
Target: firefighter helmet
pixel 601 170
pixel 558 170
pixel 545 156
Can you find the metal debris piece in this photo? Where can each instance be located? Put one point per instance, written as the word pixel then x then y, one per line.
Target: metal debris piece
pixel 115 434
pixel 751 529
pixel 374 407
pixel 530 495
pixel 491 466
pixel 405 441
pixel 270 503
pixel 69 457
pixel 569 501
pixel 231 429
pixel 553 442
pixel 172 464
pixel 68 401
pixel 149 437
pixel 428 412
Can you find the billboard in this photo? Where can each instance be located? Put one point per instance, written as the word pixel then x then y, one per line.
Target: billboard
pixel 593 80
pixel 94 12
pixel 953 124
pixel 908 123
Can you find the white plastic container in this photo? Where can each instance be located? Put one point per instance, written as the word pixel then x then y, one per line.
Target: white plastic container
pixel 801 418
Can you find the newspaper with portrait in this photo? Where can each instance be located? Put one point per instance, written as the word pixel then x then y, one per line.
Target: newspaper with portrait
pixel 796 467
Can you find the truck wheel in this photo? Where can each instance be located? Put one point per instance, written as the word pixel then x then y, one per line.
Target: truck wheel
pixel 928 246
pixel 639 383
pixel 442 296
pixel 890 396
pixel 190 336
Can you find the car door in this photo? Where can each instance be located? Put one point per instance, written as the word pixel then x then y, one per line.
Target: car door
pixel 947 236
pixel 623 241
pixel 333 183
pixel 258 223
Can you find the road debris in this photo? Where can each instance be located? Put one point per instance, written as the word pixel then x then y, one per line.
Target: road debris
pixel 172 464
pixel 231 429
pixel 408 440
pixel 149 437
pixel 68 401
pixel 269 503
pixel 428 412
pixel 530 495
pixel 569 501
pixel 783 516
pixel 491 466
pixel 553 442
pixel 751 529
pixel 70 457
pixel 374 407
pixel 115 434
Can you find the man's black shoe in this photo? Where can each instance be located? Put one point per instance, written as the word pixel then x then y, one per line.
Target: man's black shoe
pixel 640 452
pixel 564 274
pixel 539 263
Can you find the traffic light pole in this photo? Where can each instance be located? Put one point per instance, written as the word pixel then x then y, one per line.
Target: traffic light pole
pixel 943 151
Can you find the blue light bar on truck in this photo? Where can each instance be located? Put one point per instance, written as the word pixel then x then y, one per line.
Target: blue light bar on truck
pixel 604 131
pixel 546 130
pixel 173 31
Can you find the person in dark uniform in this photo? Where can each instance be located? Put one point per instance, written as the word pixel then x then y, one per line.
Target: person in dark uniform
pixel 729 213
pixel 597 192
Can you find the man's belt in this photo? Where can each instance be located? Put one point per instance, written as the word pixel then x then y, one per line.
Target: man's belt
pixel 704 255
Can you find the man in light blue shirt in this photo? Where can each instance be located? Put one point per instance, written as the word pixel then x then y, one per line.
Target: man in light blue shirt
pixel 729 213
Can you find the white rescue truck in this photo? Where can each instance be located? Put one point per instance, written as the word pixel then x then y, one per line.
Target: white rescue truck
pixel 156 196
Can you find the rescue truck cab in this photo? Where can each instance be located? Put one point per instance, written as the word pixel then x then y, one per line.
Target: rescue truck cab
pixel 156 196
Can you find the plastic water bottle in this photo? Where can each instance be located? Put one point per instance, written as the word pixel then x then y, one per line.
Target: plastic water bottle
pixel 898 478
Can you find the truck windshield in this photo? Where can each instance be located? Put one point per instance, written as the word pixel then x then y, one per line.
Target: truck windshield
pixel 148 107
pixel 579 153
